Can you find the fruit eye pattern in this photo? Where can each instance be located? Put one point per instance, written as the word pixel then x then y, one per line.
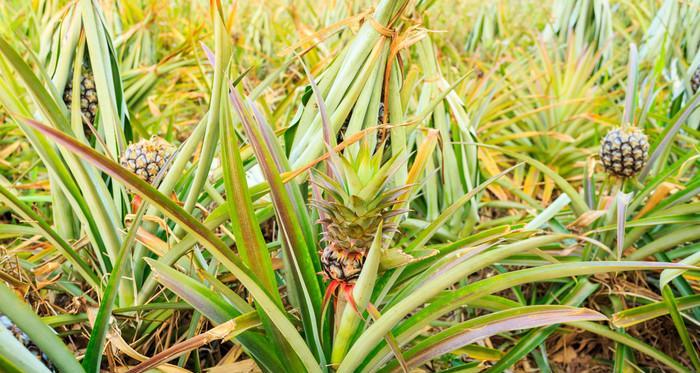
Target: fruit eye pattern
pixel 88 95
pixel 342 265
pixel 146 158
pixel 624 152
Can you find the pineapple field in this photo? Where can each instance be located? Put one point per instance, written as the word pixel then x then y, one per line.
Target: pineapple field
pixel 349 186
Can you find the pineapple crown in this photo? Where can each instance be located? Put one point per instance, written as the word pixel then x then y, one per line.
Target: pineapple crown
pixel 359 182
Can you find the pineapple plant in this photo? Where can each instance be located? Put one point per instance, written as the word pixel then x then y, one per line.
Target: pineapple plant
pixel 624 151
pixel 239 262
pixel 146 158
pixel 353 205
pixel 88 96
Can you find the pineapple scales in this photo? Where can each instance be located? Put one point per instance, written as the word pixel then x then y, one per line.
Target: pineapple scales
pixel 146 158
pixel 88 95
pixel 354 203
pixel 624 151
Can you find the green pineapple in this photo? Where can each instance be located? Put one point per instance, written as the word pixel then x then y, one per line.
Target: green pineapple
pixel 341 133
pixel 354 203
pixel 624 151
pixel 146 158
pixel 88 96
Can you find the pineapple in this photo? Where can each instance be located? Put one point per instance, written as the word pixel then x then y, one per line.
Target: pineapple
pixel 352 207
pixel 344 127
pixel 624 151
pixel 695 81
pixel 23 338
pixel 268 228
pixel 88 96
pixel 147 157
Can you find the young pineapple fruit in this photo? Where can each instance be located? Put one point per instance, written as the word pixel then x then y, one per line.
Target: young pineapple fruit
pixel 88 95
pixel 341 133
pixel 146 158
pixel 624 151
pixel 24 339
pixel 695 81
pixel 354 203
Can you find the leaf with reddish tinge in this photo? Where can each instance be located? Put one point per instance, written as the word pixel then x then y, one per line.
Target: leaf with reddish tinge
pixel 295 226
pixel 204 300
pixel 638 315
pixel 499 322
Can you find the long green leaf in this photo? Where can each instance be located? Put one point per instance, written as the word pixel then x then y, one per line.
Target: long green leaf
pixel 222 59
pixel 204 300
pixel 498 322
pixel 637 315
pixel 672 306
pixel 535 338
pixel 432 288
pixel 105 76
pixel 290 215
pixel 244 225
pixel 93 353
pixel 665 242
